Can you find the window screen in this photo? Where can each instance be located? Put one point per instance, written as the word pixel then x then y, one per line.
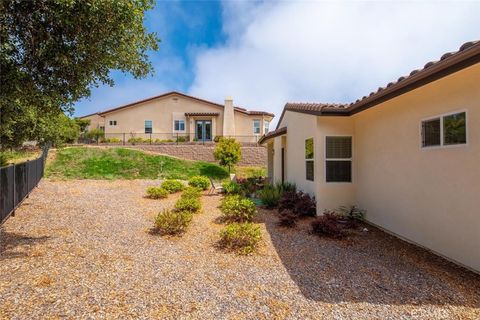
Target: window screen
pixel 179 125
pixel 455 129
pixel 256 126
pixel 431 133
pixel 266 126
pixel 309 148
pixel 338 164
pixel 339 147
pixel 339 171
pixel 309 170
pixel 148 126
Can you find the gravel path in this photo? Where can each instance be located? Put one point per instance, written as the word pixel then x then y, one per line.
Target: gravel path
pixel 81 249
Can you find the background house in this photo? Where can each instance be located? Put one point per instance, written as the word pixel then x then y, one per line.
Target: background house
pixel 408 153
pixel 175 114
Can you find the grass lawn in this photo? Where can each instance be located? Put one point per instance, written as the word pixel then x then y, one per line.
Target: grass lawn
pixel 118 163
pixel 247 172
pixel 18 156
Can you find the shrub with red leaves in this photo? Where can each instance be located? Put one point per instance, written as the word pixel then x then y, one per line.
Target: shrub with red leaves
pixel 287 219
pixel 327 225
pixel 301 204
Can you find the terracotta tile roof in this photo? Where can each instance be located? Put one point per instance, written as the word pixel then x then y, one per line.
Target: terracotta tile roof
pixel 190 114
pixel 314 107
pixel 238 109
pixel 88 115
pixel 450 62
pixel 272 134
pixel 469 50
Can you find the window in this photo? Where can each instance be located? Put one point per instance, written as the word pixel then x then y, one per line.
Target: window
pixel 148 126
pixel 431 133
pixel 266 126
pixel 113 122
pixel 256 126
pixel 338 155
pixel 446 130
pixel 179 125
pixel 309 159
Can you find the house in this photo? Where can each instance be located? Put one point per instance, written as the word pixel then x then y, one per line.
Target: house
pixel 408 153
pixel 174 114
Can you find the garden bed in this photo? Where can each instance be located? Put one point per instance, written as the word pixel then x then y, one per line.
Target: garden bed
pixel 82 249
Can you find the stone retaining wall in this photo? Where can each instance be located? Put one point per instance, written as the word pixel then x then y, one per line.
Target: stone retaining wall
pixel 251 155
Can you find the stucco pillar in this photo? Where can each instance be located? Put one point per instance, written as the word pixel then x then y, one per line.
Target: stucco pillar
pixel 214 127
pixel 228 118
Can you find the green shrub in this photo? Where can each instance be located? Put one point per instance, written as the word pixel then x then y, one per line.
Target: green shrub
pixel 181 139
pixel 201 182
pixel 156 193
pixel 286 186
pixel 3 159
pixel 191 192
pixel 242 238
pixel 188 204
pixel 134 140
pixel 237 208
pixel 172 222
pixel 270 195
pixel 351 212
pixel 231 187
pixel 112 140
pixel 173 186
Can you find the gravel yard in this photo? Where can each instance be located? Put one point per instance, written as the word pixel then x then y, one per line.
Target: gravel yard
pixel 81 249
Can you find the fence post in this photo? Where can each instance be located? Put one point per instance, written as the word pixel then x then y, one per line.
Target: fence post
pixel 150 138
pixel 177 139
pixel 14 190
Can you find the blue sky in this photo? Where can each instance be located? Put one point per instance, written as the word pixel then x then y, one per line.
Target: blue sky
pixel 184 27
pixel 265 53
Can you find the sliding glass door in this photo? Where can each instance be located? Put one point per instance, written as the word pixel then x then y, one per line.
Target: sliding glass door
pixel 203 130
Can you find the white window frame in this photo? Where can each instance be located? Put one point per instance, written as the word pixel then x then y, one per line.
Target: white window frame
pixel 442 138
pixel 266 126
pixel 145 126
pixel 312 159
pixel 184 125
pixel 338 159
pixel 259 126
pixel 112 123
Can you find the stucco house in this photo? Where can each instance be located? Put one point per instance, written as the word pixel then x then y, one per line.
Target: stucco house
pixel 408 153
pixel 175 114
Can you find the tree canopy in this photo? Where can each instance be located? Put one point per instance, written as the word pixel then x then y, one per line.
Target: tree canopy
pixel 52 52
pixel 228 152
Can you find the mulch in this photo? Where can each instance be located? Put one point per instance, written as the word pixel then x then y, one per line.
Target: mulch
pixel 82 249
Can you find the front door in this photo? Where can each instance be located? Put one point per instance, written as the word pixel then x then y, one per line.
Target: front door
pixel 203 130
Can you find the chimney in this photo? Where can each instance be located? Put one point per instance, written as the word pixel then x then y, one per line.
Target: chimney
pixel 228 118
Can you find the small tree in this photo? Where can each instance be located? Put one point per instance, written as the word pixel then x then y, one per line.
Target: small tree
pixel 95 134
pixel 228 152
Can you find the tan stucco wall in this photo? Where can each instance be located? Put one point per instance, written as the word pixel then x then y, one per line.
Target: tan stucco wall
pixel 244 126
pixel 332 194
pixel 430 197
pixel 301 127
pixel 163 111
pixel 277 159
pixel 427 196
pixel 96 121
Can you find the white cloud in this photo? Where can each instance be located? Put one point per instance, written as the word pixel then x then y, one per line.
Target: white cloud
pixel 126 89
pixel 322 51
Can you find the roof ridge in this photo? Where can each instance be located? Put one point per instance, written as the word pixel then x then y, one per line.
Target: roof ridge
pixel 467 54
pixel 239 109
